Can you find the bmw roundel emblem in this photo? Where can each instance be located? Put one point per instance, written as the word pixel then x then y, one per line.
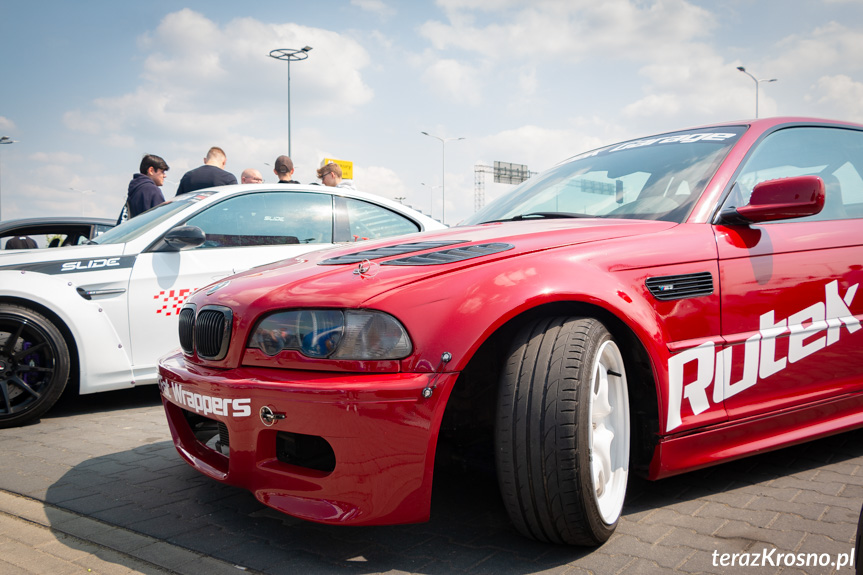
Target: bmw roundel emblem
pixel 218 286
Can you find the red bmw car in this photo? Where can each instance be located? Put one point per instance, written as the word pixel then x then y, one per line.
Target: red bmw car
pixel 652 307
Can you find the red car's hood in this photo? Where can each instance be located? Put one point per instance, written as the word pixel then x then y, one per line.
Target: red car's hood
pixel 349 276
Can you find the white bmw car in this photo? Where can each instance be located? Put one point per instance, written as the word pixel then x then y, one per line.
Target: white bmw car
pixel 100 315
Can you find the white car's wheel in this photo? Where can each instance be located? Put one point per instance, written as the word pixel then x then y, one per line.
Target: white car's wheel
pixel 563 432
pixel 34 365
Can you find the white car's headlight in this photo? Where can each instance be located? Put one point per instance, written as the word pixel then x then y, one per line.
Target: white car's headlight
pixel 333 334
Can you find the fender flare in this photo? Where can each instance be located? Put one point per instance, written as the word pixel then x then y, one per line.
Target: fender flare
pixel 103 359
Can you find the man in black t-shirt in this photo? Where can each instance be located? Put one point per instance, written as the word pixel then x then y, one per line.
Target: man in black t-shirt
pixel 284 170
pixel 212 173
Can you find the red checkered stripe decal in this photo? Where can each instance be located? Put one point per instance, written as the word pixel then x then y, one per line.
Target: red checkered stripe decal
pixel 170 301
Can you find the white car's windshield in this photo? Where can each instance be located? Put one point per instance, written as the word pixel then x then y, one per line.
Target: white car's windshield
pixel 657 178
pixel 135 227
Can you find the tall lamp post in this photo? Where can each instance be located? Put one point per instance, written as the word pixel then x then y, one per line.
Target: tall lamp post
pixel 757 81
pixel 431 198
pixel 3 140
pixel 290 55
pixel 443 142
pixel 82 197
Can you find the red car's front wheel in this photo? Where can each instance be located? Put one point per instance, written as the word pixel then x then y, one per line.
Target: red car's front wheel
pixel 563 432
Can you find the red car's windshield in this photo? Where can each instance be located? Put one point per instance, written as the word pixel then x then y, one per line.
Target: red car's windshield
pixel 657 178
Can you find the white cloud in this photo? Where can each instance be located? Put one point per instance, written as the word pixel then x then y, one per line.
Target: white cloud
pixel 699 85
pixel 547 45
pixel 375 6
pixel 572 30
pixel 826 46
pixel 381 181
pixel 71 191
pixel 652 105
pixel 842 95
pixel 6 124
pixel 382 40
pixel 188 49
pixel 216 85
pixel 455 81
pixel 65 158
pixel 195 72
pixel 527 81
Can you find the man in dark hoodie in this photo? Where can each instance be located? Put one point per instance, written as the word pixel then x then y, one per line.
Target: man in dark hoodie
pixel 144 192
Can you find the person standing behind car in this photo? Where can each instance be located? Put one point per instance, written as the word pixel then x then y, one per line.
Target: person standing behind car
pixel 331 175
pixel 284 170
pixel 144 192
pixel 251 176
pixel 21 243
pixel 212 173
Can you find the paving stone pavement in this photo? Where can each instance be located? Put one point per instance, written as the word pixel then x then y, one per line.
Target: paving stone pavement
pixel 97 487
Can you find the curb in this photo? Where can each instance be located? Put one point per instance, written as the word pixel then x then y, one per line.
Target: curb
pixel 68 542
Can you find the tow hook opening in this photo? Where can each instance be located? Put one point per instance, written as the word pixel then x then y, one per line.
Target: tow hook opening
pixel 213 434
pixel 309 451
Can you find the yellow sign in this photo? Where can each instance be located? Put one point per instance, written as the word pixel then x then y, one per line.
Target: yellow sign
pixel 347 167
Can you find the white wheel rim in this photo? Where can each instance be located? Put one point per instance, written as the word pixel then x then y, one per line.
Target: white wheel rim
pixel 609 432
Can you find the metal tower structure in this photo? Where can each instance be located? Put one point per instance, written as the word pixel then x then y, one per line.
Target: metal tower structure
pixel 504 173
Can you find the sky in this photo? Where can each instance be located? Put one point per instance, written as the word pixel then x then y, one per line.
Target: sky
pixel 87 88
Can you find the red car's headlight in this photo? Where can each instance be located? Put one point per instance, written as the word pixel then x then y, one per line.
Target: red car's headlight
pixel 334 334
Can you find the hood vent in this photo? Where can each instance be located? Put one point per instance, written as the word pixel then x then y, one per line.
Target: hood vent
pixel 388 251
pixel 450 256
pixel 680 287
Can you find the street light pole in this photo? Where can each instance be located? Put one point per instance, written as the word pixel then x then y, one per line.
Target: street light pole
pixel 3 140
pixel 443 142
pixel 757 81
pixel 431 198
pixel 290 55
pixel 82 197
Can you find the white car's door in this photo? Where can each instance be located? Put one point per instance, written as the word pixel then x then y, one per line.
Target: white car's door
pixel 242 231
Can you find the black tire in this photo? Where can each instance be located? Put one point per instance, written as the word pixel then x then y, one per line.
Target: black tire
pixel 34 365
pixel 553 435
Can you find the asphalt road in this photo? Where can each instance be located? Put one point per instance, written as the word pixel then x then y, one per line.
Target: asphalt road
pixel 97 487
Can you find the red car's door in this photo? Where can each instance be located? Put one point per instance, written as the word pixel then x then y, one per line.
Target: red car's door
pixel 789 289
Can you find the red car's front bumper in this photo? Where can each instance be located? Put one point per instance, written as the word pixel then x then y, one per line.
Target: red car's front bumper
pixel 380 431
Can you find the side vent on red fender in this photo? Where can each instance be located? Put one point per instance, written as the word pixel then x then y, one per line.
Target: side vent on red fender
pixel 680 287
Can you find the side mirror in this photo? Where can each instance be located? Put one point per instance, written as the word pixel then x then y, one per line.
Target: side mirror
pixel 181 238
pixel 781 199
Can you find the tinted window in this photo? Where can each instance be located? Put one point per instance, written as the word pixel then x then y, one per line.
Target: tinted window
pixel 268 218
pixel 370 221
pixel 834 154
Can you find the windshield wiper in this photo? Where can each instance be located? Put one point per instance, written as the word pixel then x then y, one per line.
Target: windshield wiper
pixel 541 215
